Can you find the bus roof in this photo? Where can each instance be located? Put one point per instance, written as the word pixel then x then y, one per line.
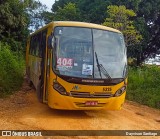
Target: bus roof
pixel 83 24
pixel 76 24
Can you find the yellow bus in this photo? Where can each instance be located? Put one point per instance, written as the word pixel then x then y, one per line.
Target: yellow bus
pixel 78 66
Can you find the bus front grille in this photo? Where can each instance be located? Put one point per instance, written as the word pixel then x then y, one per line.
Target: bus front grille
pixel 89 95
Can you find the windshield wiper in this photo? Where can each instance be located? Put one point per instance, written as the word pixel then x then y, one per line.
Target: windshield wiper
pixel 102 69
pixel 98 65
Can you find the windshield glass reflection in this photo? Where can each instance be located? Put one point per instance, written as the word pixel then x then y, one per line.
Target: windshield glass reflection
pixel 75 51
pixel 111 52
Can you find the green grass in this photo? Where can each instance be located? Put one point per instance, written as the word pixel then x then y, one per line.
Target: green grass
pixel 11 70
pixel 144 85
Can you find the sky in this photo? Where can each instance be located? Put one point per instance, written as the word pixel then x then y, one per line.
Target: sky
pixel 48 3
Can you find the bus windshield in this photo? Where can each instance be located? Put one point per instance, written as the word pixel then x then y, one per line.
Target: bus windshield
pixel 89 53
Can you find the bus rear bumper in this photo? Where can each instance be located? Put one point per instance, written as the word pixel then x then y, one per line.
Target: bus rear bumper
pixel 58 101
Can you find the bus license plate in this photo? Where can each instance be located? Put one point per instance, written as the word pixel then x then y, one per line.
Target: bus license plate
pixel 91 103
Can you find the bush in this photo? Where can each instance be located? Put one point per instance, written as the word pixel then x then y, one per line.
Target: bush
pixel 11 70
pixel 143 85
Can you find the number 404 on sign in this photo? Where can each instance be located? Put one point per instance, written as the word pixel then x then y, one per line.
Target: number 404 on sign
pixel 64 62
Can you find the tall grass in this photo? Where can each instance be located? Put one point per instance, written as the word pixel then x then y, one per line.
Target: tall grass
pixel 11 70
pixel 144 85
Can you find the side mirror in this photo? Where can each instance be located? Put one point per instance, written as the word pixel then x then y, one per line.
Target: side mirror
pixel 51 42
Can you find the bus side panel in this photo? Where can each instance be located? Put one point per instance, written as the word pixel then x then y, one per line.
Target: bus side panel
pixel 34 66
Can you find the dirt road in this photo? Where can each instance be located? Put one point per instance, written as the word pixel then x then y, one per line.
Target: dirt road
pixel 23 111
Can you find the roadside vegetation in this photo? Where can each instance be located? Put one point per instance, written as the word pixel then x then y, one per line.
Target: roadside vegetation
pixel 144 85
pixel 16 19
pixel 12 70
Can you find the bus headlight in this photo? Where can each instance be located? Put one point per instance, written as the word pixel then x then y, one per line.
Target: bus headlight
pixel 58 87
pixel 120 91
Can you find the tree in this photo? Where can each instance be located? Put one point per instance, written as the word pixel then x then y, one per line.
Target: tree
pixel 47 17
pixel 68 13
pixel 119 19
pixel 90 10
pixel 153 46
pixel 61 3
pixel 149 11
pixel 129 4
pixel 36 12
pixel 93 11
pixel 15 19
pixel 13 22
pixel 147 23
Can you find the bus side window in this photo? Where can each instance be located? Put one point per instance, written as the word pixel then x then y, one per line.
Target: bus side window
pixel 43 42
pixel 42 51
pixel 37 48
pixel 30 48
pixel 40 44
pixel 31 45
pixel 34 46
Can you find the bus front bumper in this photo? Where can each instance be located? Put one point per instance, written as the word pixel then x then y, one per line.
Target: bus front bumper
pixel 58 101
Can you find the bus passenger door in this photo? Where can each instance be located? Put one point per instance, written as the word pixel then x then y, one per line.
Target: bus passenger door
pixel 48 59
pixel 41 88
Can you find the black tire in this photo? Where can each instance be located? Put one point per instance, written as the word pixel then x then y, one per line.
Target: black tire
pixel 30 83
pixel 39 92
pixel 28 77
